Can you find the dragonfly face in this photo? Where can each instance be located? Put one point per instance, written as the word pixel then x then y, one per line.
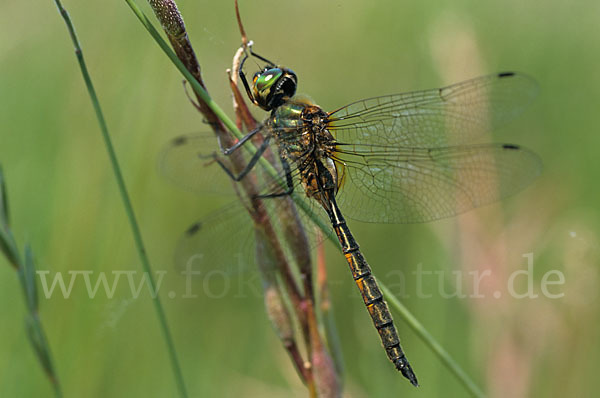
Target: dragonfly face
pixel 272 85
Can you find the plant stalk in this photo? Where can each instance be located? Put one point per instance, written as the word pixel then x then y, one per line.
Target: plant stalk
pixel 137 235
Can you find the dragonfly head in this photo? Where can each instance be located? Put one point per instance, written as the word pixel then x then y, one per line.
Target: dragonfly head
pixel 272 86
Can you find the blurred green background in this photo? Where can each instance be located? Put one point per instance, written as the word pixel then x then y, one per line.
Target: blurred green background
pixel 65 203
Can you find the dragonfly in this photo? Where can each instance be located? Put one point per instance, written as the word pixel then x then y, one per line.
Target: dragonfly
pixel 403 158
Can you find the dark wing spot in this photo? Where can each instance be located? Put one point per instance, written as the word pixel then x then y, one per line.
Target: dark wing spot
pixel 510 146
pixel 182 140
pixel 194 229
pixel 506 74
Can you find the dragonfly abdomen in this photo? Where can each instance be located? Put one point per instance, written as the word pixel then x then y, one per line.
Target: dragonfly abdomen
pixel 371 294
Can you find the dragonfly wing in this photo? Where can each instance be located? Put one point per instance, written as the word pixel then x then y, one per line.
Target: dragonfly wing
pixel 225 239
pixel 188 161
pixel 459 114
pixel 390 185
pixel 222 241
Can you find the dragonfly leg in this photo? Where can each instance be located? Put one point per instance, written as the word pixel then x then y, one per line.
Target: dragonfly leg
pixel 237 145
pixel 288 180
pixel 263 147
pixel 255 55
pixel 242 75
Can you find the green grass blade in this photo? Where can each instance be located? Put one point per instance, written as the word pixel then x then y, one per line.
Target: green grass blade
pixel 26 274
pixel 4 219
pixel 7 242
pixel 33 325
pixel 8 246
pixel 27 277
pixel 126 203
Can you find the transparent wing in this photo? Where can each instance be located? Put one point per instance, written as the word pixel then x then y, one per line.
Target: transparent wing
pixel 413 157
pixel 391 185
pixel 225 239
pixel 459 114
pixel 188 162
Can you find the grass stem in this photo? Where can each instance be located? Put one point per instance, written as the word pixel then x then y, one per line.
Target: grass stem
pixel 137 235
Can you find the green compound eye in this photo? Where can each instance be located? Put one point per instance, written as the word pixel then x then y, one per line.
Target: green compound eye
pixel 264 80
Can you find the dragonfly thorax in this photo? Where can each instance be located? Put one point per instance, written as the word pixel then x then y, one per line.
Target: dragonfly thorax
pixel 300 128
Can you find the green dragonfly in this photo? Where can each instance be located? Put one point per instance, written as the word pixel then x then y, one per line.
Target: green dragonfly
pixel 402 158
